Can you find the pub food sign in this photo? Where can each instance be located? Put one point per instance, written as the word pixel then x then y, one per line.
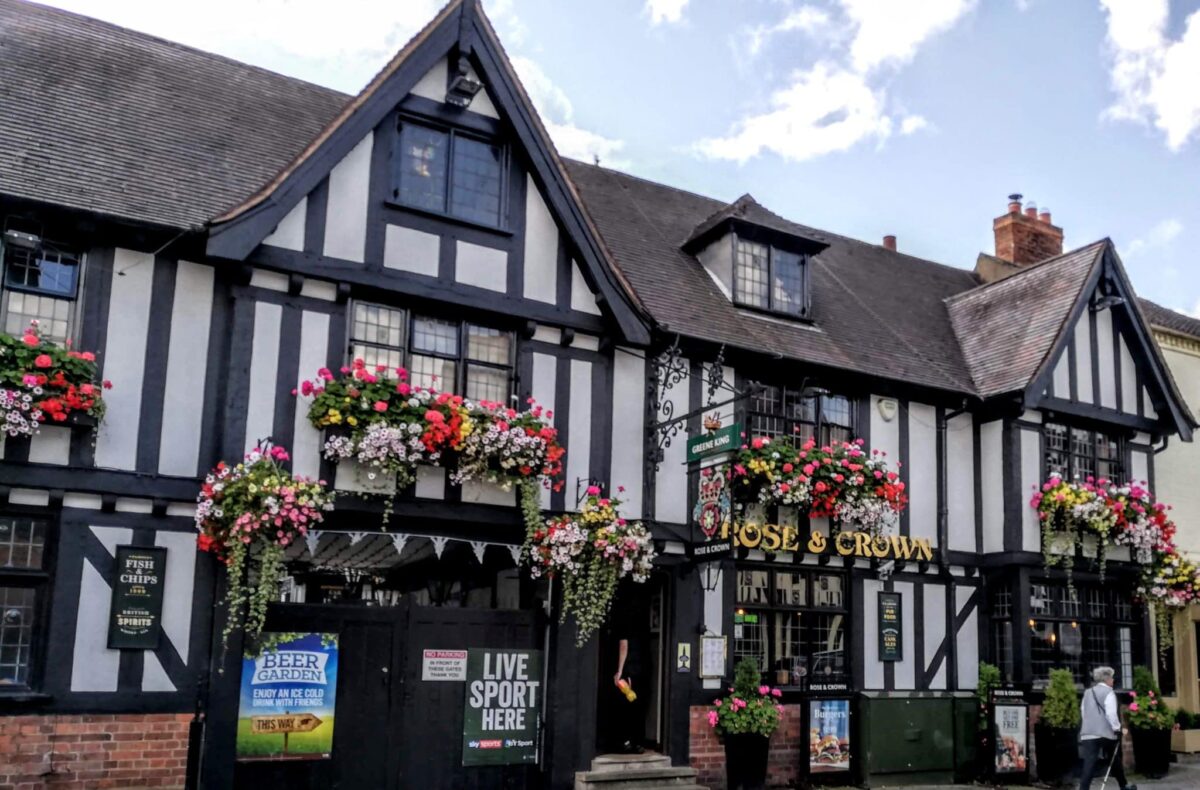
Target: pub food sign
pixel 891 645
pixel 135 617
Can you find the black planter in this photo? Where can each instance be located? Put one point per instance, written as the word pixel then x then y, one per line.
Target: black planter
pixel 746 761
pixel 1057 750
pixel 1151 752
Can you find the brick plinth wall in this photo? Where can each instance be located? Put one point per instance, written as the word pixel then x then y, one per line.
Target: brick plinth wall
pixel 82 752
pixel 707 753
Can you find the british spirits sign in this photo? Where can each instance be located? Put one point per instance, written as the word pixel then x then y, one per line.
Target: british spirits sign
pixel 135 618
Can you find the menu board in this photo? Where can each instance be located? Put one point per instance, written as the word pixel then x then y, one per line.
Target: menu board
pixel 891 640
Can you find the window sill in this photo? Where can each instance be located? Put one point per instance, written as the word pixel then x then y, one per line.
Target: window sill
pixel 22 697
pixel 449 218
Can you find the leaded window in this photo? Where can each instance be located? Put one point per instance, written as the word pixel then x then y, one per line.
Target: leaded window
pixel 793 624
pixel 769 278
pixel 785 412
pixel 448 172
pixel 1079 628
pixel 40 284
pixel 23 579
pixel 1078 453
pixel 451 356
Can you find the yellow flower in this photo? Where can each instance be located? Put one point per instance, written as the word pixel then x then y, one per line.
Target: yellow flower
pixel 352 420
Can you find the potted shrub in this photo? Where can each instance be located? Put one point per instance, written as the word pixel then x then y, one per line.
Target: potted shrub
pixel 1186 735
pixel 745 720
pixel 989 678
pixel 1057 730
pixel 1150 724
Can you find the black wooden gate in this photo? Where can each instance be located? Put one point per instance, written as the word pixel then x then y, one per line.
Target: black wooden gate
pixel 392 730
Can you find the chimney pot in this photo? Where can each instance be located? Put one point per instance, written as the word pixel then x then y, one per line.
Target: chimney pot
pixel 1014 203
pixel 1044 216
pixel 1031 210
pixel 889 242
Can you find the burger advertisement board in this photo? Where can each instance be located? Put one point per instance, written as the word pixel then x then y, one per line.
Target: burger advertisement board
pixel 829 736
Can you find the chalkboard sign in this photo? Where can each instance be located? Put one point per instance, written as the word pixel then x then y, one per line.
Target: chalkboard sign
pixel 135 620
pixel 891 641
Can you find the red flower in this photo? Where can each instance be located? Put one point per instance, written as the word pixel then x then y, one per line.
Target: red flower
pixel 43 361
pixel 205 542
pixel 30 340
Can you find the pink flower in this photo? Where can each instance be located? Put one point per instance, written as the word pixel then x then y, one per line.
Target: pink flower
pixel 29 380
pixel 756 442
pixel 713 716
pixel 764 690
pixel 593 490
pixel 381 405
pixel 1133 707
pixel 776 693
pixel 43 361
pixel 30 340
pixel 403 388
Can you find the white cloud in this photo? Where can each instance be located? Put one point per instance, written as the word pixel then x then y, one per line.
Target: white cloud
pixel 840 101
pixel 1157 238
pixel 670 11
pixel 1153 76
pixel 558 115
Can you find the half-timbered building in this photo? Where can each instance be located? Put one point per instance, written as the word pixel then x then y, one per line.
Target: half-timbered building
pixel 216 233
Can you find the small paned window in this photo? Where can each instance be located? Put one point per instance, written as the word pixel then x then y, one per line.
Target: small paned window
pixel 793 624
pixel 450 173
pixel 780 411
pixel 1077 453
pixel 1073 629
pixel 769 278
pixel 434 352
pixel 23 580
pixel 39 285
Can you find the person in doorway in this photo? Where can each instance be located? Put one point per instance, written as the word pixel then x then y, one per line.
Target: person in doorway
pixel 629 638
pixel 1100 731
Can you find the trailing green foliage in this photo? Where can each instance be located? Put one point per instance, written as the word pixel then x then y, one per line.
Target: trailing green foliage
pixel 989 678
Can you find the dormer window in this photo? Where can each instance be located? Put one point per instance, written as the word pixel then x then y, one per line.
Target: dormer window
pixel 448 172
pixel 768 278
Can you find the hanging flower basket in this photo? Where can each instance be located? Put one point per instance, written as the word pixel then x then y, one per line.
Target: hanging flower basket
pixel 41 382
pixel 590 552
pixel 376 418
pixel 247 515
pixel 840 480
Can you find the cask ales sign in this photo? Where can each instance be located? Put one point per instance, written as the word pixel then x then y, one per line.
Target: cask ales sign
pixel 502 705
pixel 891 644
pixel 782 537
pixel 135 618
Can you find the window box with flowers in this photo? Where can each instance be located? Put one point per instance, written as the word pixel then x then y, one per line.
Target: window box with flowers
pixel 42 383
pixel 375 418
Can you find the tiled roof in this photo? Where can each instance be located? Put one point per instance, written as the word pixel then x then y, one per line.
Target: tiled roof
pixel 1170 320
pixel 100 118
pixel 874 311
pixel 1007 329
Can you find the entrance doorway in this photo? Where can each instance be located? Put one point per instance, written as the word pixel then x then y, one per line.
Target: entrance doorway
pixel 637 617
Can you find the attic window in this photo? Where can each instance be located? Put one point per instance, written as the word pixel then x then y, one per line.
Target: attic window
pixel 446 172
pixel 768 278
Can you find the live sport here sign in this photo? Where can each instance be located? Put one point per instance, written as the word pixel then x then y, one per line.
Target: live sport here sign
pixel 502 705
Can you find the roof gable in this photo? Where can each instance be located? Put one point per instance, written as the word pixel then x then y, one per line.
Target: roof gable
pixel 459 30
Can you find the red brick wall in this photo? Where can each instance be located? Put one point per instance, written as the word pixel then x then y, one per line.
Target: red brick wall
pixel 707 753
pixel 82 752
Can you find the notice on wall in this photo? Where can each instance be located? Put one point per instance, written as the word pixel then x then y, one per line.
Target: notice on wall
pixel 502 707
pixel 286 705
pixel 829 736
pixel 891 642
pixel 443 665
pixel 135 618
pixel 1012 737
pixel 712 656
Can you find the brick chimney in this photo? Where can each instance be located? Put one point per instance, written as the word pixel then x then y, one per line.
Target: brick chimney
pixel 1026 237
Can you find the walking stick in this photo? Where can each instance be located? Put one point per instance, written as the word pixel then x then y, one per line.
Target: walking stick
pixel 1111 761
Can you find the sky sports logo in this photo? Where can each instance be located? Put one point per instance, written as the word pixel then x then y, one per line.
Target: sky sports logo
pixel 491 744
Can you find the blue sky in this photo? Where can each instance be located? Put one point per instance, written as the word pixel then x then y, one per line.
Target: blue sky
pixel 864 117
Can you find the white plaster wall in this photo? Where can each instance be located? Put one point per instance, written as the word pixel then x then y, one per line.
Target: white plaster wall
pixel 922 471
pixel 670 487
pixel 346 209
pixel 885 436
pixel 579 434
pixel 178 588
pixel 264 368
pixel 541 247
pixel 1031 478
pixel 960 482
pixel 1129 386
pixel 433 84
pixel 314 351
pixel 629 405
pixel 906 668
pixel 93 666
pixel 934 630
pixel 717 259
pixel 1062 376
pixel 1148 409
pixel 545 374
pixel 124 358
pixel 1107 359
pixel 483 267
pixel 967 642
pixel 289 233
pixel 409 250
pixel 1083 360
pixel 187 370
pixel 582 298
pixel 1176 480
pixel 869 610
pixel 50 445
pixel 992 464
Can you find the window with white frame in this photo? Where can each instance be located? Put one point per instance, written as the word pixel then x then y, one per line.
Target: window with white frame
pixel 24 576
pixel 39 284
pixel 1079 453
pixel 450 356
pixel 769 278
pixel 449 172
pixel 787 412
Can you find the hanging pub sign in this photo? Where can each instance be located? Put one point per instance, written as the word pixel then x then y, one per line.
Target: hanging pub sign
pixel 1010 723
pixel 783 537
pixel 135 617
pixel 502 707
pixel 722 440
pixel 287 700
pixel 828 736
pixel 891 643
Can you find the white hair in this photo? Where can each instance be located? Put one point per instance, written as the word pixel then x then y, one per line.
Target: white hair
pixel 1102 674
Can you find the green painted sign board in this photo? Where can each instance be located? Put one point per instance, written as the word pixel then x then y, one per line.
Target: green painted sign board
pixel 891 640
pixel 135 617
pixel 722 440
pixel 502 707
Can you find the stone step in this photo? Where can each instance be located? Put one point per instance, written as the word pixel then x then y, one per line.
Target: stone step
pixel 625 762
pixel 636 779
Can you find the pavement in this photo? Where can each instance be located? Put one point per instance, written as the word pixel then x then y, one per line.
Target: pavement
pixel 1184 775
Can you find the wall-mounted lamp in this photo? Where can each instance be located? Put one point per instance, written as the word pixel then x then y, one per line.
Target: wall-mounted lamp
pixel 19 238
pixel 710 577
pixel 1105 302
pixel 462 90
